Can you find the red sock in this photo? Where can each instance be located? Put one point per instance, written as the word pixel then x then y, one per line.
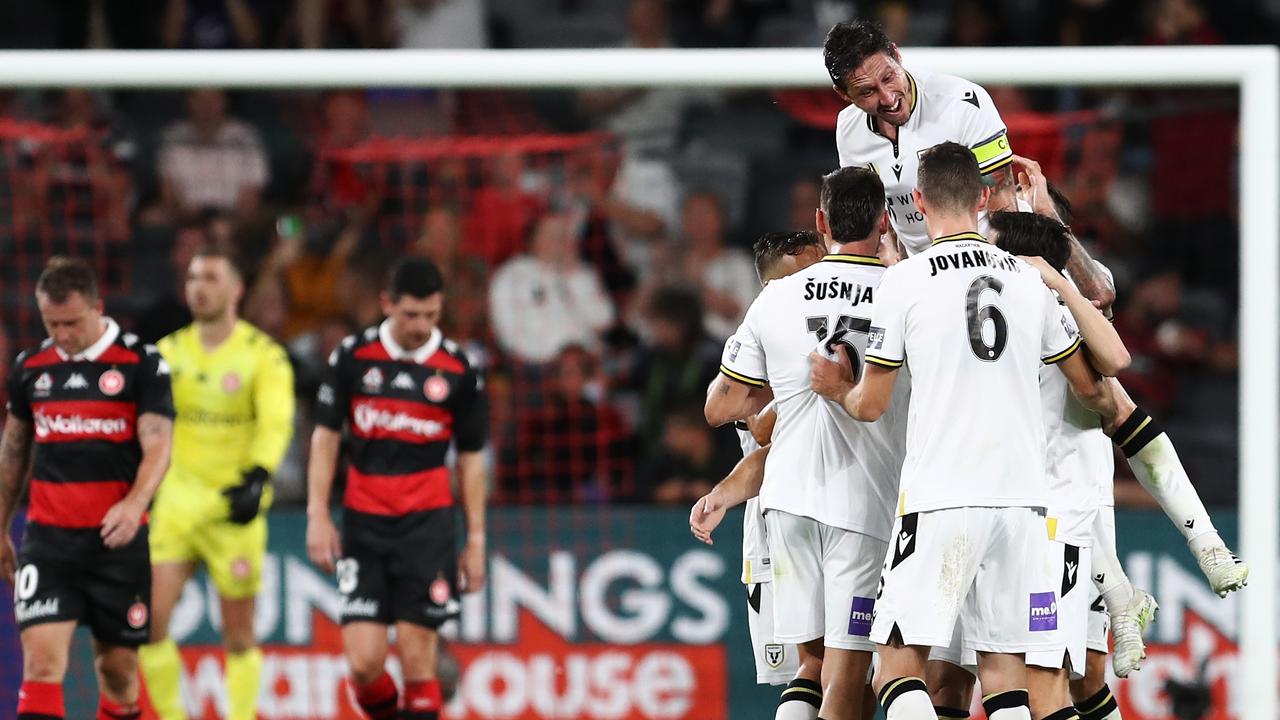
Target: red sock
pixel 379 699
pixel 108 710
pixel 40 701
pixel 422 700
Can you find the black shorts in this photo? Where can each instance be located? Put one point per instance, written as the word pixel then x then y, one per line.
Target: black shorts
pixel 68 575
pixel 399 568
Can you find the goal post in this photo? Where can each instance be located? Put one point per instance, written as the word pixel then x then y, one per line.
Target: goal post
pixel 1254 70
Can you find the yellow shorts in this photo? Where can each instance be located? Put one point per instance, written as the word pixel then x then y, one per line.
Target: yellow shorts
pixel 183 531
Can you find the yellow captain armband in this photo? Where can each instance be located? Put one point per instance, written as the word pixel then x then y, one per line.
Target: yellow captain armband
pixel 993 153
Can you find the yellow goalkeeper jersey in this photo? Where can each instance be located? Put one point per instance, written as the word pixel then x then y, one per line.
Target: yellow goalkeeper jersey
pixel 234 407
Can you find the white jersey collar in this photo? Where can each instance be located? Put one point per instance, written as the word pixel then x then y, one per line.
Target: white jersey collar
pixel 419 355
pixel 110 332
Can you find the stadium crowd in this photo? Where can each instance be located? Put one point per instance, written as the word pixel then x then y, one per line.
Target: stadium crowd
pixel 595 244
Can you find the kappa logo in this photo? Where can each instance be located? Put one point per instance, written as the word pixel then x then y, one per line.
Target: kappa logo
pixel 402 381
pixel 372 380
pixel 75 382
pixel 43 384
pixel 774 654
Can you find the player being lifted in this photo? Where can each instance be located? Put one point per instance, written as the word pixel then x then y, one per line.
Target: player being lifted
pixel 830 483
pixel 95 402
pixel 970 545
pixel 233 393
pixel 406 394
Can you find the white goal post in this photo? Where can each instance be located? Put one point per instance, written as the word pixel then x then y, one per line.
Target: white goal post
pixel 1254 70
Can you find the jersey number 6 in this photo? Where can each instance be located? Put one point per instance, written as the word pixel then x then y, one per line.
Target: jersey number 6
pixel 978 315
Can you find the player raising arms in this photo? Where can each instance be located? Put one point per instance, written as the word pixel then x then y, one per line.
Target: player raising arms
pixel 406 394
pixel 970 544
pixel 96 404
pixel 830 483
pixel 233 393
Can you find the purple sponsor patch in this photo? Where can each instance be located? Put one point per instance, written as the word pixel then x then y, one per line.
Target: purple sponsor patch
pixel 860 614
pixel 1044 611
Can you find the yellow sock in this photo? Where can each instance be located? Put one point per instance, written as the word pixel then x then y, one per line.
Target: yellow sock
pixel 244 675
pixel 162 670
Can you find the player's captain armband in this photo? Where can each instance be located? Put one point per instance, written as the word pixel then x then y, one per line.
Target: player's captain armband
pixel 993 153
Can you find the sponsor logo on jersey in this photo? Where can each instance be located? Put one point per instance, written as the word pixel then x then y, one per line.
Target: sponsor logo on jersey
pixel 75 382
pixel 137 615
pixel 1044 612
pixel 368 418
pixel 372 380
pixel 861 613
pixel 111 382
pixel 734 348
pixel 43 384
pixel 77 425
pixel 436 388
pixel 230 383
pixel 402 381
pixel 774 654
pixel 25 611
pixel 875 338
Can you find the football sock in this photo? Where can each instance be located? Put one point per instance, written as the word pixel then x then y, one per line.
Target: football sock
pixel 40 701
pixel 906 698
pixel 800 701
pixel 244 676
pixel 379 699
pixel 1109 578
pixel 1008 705
pixel 1156 465
pixel 950 713
pixel 162 670
pixel 422 700
pixel 108 710
pixel 1067 713
pixel 1102 706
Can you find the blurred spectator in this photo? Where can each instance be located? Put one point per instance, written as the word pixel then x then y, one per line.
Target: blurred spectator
pixel 465 277
pixel 546 299
pixel 575 446
pixel 339 24
pixel 211 161
pixel 424 24
pixel 725 276
pixel 308 265
pixel 501 211
pixel 895 18
pixel 975 24
pixel 1092 22
pixel 693 457
pixel 679 362
pixel 212 24
pixel 169 312
pixel 804 202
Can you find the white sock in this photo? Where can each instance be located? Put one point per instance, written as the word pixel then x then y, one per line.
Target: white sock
pixel 1117 591
pixel 1157 467
pixel 1017 713
pixel 907 699
pixel 1008 705
pixel 800 701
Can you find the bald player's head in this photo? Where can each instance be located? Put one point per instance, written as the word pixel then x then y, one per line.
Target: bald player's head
pixel 949 180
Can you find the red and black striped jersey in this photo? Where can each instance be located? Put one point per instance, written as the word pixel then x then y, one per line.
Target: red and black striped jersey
pixel 403 409
pixel 85 410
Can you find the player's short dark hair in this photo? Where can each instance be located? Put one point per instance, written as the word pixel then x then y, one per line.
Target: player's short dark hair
pixel 414 276
pixel 853 200
pixel 1024 233
pixel 64 275
pixel 849 44
pixel 773 246
pixel 949 178
pixel 220 250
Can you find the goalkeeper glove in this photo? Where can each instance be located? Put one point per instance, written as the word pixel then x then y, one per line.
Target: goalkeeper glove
pixel 245 499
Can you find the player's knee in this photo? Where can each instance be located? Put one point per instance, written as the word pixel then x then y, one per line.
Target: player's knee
pixel 418 660
pixel 118 673
pixel 365 666
pixel 43 667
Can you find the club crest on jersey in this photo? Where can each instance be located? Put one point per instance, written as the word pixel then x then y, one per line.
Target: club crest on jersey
pixel 111 382
pixel 137 615
pixel 230 383
pixel 372 380
pixel 774 654
pixel 240 568
pixel 439 591
pixel 43 384
pixel 436 388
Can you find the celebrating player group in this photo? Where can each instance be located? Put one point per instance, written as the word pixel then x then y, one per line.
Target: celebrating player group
pixel 926 394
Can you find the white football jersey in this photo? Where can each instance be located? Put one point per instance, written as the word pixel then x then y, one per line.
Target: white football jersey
pixel 945 108
pixel 1072 461
pixel 824 465
pixel 755 541
pixel 1097 449
pixel 973 323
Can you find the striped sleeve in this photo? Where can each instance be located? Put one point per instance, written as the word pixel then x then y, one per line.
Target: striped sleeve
pixel 743 358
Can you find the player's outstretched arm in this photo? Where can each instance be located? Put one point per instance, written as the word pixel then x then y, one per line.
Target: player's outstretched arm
pixel 1106 350
pixel 471 481
pixel 865 401
pixel 155 436
pixel 323 546
pixel 739 486
pixel 15 454
pixel 730 401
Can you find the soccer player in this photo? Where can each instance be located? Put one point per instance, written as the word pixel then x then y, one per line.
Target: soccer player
pixel 975 323
pixel 96 405
pixel 406 395
pixel 233 393
pixel 830 483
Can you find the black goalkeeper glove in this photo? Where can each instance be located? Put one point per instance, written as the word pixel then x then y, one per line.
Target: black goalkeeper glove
pixel 246 498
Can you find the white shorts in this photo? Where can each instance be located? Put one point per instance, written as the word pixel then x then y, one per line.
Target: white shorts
pixel 824 582
pixel 990 569
pixel 1104 536
pixel 1075 593
pixel 776 663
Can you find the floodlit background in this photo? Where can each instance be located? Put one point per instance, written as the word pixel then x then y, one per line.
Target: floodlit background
pixel 651 198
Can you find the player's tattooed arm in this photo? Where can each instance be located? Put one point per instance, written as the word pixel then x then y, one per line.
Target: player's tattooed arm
pixel 1088 276
pixel 730 401
pixel 1003 189
pixel 15 455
